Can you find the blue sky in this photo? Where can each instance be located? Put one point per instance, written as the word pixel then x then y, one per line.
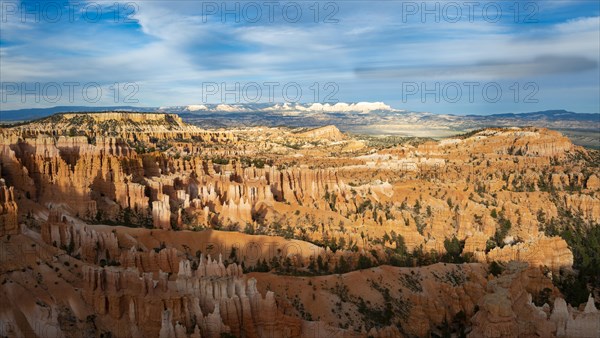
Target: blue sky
pixel 494 57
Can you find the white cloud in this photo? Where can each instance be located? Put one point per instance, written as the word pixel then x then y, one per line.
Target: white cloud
pixel 174 51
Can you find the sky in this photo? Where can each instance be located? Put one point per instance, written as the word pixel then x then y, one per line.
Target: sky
pixel 450 57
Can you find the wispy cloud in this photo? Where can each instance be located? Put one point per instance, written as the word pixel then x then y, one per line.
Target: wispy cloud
pixel 171 48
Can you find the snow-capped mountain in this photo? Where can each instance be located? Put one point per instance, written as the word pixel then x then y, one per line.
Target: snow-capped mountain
pixel 363 107
pixel 340 107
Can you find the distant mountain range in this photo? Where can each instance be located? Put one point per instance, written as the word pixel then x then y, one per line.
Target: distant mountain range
pixel 36 113
pixel 553 115
pixel 374 118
